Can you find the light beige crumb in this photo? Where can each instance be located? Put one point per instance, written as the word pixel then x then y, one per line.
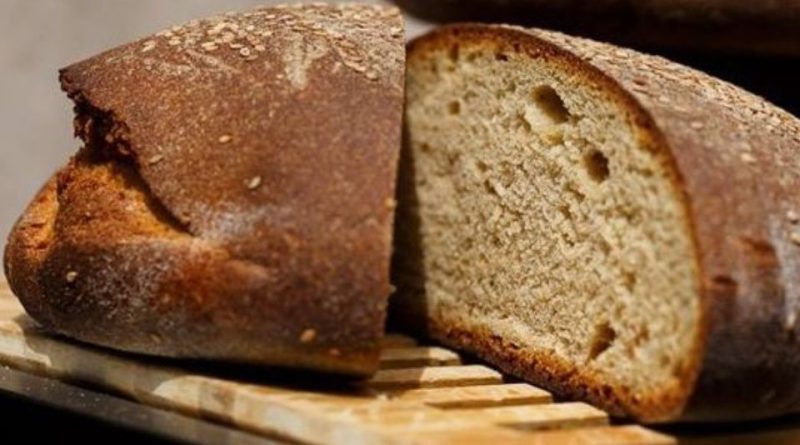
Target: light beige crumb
pixel 793 216
pixel 795 237
pixel 71 276
pixel 308 336
pixel 697 125
pixel 225 138
pixel 245 52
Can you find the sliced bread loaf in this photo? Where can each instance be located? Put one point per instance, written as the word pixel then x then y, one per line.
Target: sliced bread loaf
pixel 604 223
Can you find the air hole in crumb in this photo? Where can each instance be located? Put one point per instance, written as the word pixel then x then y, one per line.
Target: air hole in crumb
pixel 453 158
pixel 501 57
pixel 604 336
pixel 425 148
pixel 550 103
pixel 481 166
pixel 596 165
pixel 629 280
pixel 523 123
pixel 642 335
pixel 454 107
pixel 605 247
pixel 564 210
pixel 487 185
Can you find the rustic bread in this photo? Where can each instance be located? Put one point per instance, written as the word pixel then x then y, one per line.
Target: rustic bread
pixel 607 224
pixel 235 194
pixel 736 26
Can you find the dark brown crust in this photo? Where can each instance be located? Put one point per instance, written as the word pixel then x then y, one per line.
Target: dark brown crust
pixel 234 200
pixel 735 26
pixel 733 155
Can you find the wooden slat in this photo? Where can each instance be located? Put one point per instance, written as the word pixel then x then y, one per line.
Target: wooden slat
pixel 434 377
pixel 534 417
pixel 422 395
pixel 397 341
pixel 606 435
pixel 418 356
pixel 476 396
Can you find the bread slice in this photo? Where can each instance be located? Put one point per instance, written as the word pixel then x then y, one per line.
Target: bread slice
pixel 234 198
pixel 710 26
pixel 606 224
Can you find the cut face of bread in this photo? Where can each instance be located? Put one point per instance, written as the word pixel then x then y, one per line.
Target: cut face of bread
pixel 549 232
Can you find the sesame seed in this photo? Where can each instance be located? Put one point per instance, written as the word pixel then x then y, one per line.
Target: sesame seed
pixel 748 158
pixel 793 216
pixel 396 31
pixel 174 42
pixel 244 52
pixel 260 48
pixel 696 125
pixel 225 138
pixel 795 237
pixel 235 45
pixel 372 75
pixel 308 336
pixel 149 46
pixel 155 159
pixel 209 46
pixel 254 182
pixel 71 276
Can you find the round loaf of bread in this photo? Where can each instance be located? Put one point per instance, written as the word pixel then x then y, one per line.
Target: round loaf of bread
pixel 609 225
pixel 235 194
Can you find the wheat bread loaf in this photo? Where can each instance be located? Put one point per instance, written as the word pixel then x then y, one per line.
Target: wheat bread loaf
pixel 234 196
pixel 712 26
pixel 607 224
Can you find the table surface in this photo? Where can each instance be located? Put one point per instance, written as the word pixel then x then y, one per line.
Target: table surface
pixel 430 394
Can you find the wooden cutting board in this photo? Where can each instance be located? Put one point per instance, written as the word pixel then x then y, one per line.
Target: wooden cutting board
pixel 421 395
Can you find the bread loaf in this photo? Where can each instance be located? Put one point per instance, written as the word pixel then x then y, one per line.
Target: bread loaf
pixel 734 26
pixel 609 225
pixel 234 196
